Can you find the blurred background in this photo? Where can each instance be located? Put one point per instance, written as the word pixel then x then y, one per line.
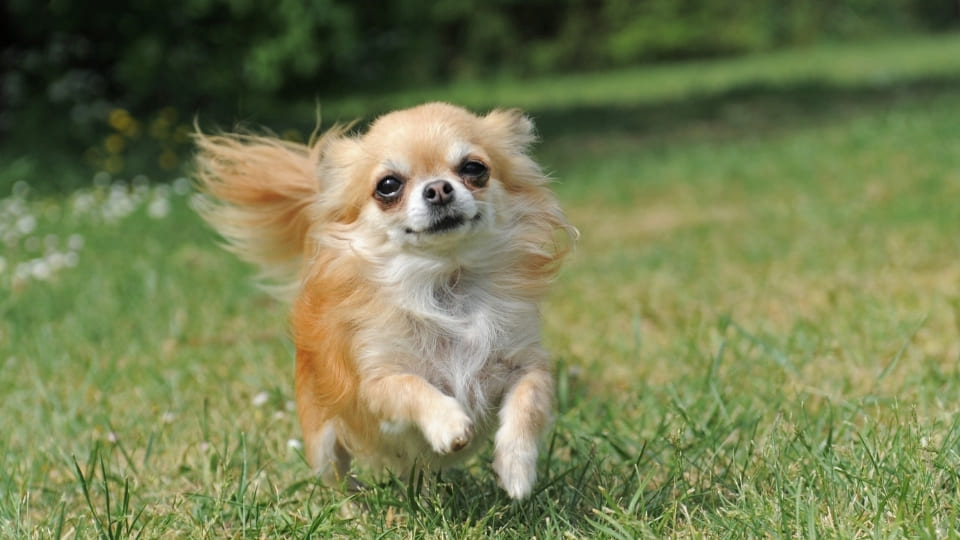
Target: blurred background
pixel 115 86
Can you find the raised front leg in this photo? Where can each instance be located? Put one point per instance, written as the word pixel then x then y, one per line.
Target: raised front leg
pixel 410 398
pixel 524 415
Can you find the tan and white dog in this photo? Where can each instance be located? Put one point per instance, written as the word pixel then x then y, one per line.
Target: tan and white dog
pixel 417 254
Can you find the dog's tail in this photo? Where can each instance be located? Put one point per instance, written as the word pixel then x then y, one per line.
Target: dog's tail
pixel 259 192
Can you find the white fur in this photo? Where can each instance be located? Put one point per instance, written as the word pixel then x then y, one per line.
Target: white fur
pixel 396 165
pixel 515 462
pixel 459 151
pixel 417 212
pixel 515 449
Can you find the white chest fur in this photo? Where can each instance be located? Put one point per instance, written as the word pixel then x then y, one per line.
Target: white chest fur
pixel 463 335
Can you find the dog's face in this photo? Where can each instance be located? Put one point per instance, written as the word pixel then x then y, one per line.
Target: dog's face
pixel 434 175
pixel 431 178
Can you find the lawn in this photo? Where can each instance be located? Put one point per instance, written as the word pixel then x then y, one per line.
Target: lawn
pixel 757 335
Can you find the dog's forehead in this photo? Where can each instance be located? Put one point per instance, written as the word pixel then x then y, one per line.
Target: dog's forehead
pixel 414 140
pixel 425 116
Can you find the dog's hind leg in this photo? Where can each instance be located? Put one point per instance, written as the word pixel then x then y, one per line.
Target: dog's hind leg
pixel 329 458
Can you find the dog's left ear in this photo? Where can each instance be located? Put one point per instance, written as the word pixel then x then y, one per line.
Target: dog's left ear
pixel 513 129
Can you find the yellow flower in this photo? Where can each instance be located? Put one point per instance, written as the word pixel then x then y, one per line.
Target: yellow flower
pixel 159 128
pixel 113 164
pixel 114 144
pixel 132 129
pixel 119 119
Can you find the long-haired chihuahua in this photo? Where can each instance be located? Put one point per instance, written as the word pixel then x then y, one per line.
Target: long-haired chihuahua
pixel 417 254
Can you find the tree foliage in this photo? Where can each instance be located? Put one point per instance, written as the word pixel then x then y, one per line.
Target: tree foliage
pixel 79 60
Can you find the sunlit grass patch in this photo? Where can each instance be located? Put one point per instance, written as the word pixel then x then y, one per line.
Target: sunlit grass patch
pixel 839 226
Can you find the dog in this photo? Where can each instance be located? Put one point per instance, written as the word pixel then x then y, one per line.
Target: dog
pixel 416 255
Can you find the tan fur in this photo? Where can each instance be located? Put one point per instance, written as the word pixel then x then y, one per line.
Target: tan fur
pixel 308 211
pixel 260 194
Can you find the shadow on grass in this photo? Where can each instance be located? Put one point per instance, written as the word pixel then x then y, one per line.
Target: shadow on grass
pixel 743 110
pixel 597 478
pixel 592 492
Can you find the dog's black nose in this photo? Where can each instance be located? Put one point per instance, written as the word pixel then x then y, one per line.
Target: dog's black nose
pixel 438 192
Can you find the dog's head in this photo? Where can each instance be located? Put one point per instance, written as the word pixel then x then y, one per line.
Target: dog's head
pixel 432 176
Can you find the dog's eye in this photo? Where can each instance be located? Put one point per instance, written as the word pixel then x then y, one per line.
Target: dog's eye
pixel 389 187
pixel 475 173
pixel 473 168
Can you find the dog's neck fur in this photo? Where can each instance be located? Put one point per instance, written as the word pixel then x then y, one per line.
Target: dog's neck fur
pixel 459 320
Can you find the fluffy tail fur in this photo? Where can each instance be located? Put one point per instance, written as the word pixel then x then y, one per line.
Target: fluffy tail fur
pixel 260 191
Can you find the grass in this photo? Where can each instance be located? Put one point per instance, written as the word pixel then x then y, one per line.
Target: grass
pixel 758 335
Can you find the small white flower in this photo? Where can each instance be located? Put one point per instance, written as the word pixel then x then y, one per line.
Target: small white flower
pixel 181 186
pixel 294 444
pixel 279 415
pixel 167 417
pixel 83 202
pixel 39 269
pixel 71 259
pixel 26 224
pixel 112 437
pixel 198 201
pixel 119 203
pixel 260 399
pixel 159 208
pixel 56 261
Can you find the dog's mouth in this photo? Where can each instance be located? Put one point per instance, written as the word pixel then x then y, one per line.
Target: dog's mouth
pixel 446 223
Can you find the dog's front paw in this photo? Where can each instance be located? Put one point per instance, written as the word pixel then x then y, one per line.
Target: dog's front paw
pixel 447 428
pixel 515 462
